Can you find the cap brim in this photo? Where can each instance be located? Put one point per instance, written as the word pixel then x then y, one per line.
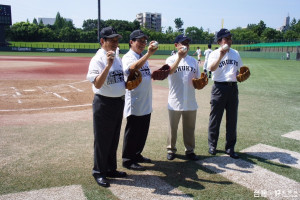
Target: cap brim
pixel 184 40
pixel 114 35
pixel 141 36
pixel 227 34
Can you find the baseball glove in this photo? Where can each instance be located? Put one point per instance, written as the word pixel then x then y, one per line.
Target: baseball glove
pixel 244 74
pixel 134 79
pixel 161 73
pixel 201 82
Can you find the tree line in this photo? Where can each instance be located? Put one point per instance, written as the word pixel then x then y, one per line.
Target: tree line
pixel 64 31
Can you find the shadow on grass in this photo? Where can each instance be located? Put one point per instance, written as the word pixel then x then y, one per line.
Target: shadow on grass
pixel 180 172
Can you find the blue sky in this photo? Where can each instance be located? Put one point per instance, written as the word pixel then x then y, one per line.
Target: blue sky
pixel 205 14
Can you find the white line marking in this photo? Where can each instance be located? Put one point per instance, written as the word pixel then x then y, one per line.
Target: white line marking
pixel 282 156
pixel 251 176
pixel 145 186
pixel 47 108
pixel 66 192
pixel 63 98
pixel 29 90
pixel 16 91
pixel 42 89
pixel 79 90
pixel 293 135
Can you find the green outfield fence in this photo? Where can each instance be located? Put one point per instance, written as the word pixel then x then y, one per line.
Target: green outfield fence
pixel 277 50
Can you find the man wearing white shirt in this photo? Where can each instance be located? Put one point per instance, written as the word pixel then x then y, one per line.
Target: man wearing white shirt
pixel 206 54
pixel 138 102
pixel 106 75
pixel 225 64
pixel 181 99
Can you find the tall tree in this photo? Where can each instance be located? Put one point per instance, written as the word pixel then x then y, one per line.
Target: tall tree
pixel 178 25
pixel 35 21
pixel 195 34
pixel 59 21
pixel 90 24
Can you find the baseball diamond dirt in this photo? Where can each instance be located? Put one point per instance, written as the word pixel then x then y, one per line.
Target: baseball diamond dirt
pixel 45 85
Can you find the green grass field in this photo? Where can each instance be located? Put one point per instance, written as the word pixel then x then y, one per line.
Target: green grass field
pixel 62 153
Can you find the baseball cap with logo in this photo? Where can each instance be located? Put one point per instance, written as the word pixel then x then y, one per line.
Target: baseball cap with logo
pixel 181 38
pixel 109 32
pixel 223 33
pixel 137 34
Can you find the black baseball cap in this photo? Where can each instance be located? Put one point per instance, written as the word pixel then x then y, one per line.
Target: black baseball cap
pixel 137 34
pixel 223 33
pixel 181 38
pixel 109 32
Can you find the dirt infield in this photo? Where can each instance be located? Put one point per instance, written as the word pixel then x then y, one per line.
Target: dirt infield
pixel 45 86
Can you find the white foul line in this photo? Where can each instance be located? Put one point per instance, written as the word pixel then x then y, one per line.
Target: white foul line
pixel 282 156
pixel 63 98
pixel 79 90
pixel 48 108
pixel 261 181
pixel 57 95
pixel 17 93
pixel 293 135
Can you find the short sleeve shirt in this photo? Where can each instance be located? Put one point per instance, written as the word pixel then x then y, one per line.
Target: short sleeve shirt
pixel 114 85
pixel 181 90
pixel 138 101
pixel 228 67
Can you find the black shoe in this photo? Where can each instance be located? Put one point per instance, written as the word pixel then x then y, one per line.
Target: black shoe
pixel 116 174
pixel 192 156
pixel 102 181
pixel 233 155
pixel 134 166
pixel 212 151
pixel 144 160
pixel 171 156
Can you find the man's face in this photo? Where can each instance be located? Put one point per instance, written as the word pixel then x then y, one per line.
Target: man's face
pixel 138 45
pixel 183 43
pixel 226 40
pixel 111 44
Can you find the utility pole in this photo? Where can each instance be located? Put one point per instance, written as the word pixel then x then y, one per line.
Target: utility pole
pixel 99 18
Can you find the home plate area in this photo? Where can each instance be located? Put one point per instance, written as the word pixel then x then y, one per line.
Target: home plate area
pixel 262 182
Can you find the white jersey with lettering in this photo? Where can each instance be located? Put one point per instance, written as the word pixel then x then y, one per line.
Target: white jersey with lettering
pixel 181 90
pixel 138 101
pixel 228 67
pixel 114 85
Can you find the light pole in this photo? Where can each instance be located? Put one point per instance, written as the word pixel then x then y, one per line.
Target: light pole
pixel 99 18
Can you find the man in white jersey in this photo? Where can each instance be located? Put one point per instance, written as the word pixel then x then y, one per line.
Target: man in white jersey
pixel 206 54
pixel 225 64
pixel 181 99
pixel 198 52
pixel 138 102
pixel 106 74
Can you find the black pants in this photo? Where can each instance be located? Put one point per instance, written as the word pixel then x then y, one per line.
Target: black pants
pixel 223 96
pixel 107 119
pixel 135 136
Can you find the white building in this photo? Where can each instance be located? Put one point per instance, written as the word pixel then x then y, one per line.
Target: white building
pixel 50 21
pixel 286 24
pixel 150 20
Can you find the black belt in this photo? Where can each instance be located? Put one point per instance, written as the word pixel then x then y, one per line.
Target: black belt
pixel 112 98
pixel 226 83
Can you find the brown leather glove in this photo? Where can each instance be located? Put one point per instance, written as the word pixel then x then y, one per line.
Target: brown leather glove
pixel 161 73
pixel 244 74
pixel 201 82
pixel 134 79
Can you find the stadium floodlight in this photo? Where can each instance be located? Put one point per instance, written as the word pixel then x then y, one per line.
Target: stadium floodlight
pixel 99 18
